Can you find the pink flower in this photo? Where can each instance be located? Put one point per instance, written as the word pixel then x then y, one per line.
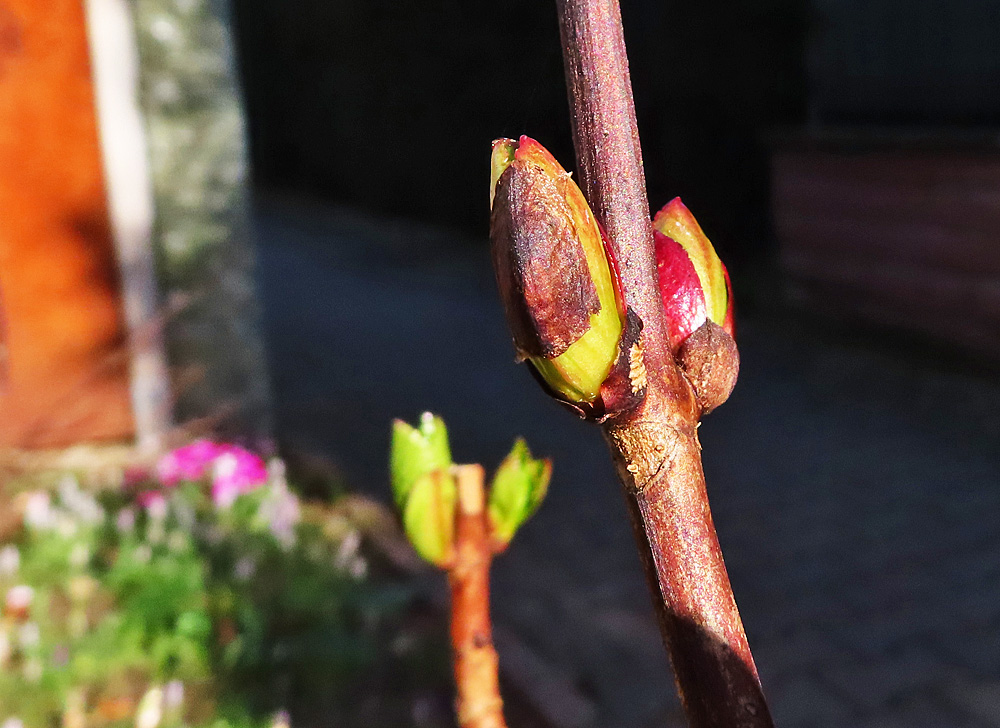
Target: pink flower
pixel 151 499
pixel 234 472
pixel 190 462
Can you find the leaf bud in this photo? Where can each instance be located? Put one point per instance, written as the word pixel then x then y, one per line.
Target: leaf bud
pixel 697 303
pixel 424 487
pixel 518 488
pixel 558 282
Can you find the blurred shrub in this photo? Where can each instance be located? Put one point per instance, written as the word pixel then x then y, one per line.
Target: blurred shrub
pixel 201 593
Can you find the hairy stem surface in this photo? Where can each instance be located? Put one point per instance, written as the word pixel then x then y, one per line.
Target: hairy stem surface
pixel 656 449
pixel 478 702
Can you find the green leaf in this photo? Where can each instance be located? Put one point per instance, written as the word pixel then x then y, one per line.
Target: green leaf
pixel 517 491
pixel 417 451
pixel 429 516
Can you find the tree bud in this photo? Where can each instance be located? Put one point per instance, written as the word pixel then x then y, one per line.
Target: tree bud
pixel 698 304
pixel 424 487
pixel 558 282
pixel 518 488
pixel 694 283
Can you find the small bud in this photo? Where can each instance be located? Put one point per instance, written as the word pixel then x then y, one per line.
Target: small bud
pixel 711 363
pixel 517 491
pixel 424 487
pixel 694 284
pixel 698 303
pixel 429 517
pixel 556 276
pixel 417 452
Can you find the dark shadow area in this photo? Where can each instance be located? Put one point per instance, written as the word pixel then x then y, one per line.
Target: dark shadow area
pixel 852 476
pixel 854 472
pixel 391 106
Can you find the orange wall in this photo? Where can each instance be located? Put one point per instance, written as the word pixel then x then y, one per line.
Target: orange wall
pixel 64 377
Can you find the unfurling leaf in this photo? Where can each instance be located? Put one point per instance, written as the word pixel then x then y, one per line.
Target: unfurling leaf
pixel 424 487
pixel 518 488
pixel 429 516
pixel 417 451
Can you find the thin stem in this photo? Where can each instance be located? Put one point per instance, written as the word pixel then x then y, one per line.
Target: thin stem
pixel 478 702
pixel 656 449
pixel 609 158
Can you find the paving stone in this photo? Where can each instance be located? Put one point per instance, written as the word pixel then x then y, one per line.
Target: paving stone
pixel 977 650
pixel 923 711
pixel 878 635
pixel 872 685
pixel 803 650
pixel 803 701
pixel 855 489
pixel 980 700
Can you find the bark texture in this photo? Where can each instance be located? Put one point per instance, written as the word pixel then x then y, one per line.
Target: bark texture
pixel 656 448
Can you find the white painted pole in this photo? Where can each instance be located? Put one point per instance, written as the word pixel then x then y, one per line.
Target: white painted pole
pixel 115 71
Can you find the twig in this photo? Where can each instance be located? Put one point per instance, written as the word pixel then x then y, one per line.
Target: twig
pixel 656 448
pixel 478 704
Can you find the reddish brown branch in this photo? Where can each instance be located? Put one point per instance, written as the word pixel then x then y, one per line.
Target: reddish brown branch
pixel 656 449
pixel 608 155
pixel 478 702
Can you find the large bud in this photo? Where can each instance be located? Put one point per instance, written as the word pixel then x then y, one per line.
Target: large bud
pixel 697 303
pixel 559 284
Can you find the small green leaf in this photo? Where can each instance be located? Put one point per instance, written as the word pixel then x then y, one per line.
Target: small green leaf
pixel 518 488
pixel 429 516
pixel 417 451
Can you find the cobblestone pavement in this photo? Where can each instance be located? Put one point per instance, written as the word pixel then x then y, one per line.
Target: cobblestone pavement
pixel 856 488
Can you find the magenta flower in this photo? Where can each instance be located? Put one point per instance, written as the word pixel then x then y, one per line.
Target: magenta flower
pixel 190 462
pixel 235 471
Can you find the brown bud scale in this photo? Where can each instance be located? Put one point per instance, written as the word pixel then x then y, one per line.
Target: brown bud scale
pixel 541 266
pixel 711 363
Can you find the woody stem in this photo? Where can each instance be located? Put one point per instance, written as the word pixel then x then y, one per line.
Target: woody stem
pixel 656 449
pixel 478 702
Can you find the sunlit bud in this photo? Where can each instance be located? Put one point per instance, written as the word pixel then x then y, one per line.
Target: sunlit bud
pixel 417 451
pixel 429 517
pixel 694 284
pixel 698 304
pixel 424 487
pixel 557 278
pixel 518 488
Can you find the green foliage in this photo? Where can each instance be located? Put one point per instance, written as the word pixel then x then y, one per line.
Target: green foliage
pixel 518 488
pixel 416 452
pixel 426 492
pixel 201 615
pixel 429 516
pixel 424 487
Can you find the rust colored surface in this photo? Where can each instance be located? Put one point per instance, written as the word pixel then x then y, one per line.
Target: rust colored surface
pixel 550 290
pixel 608 154
pixel 478 704
pixel 64 376
pixel 655 448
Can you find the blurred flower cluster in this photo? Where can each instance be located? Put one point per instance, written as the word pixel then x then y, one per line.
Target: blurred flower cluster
pixel 202 592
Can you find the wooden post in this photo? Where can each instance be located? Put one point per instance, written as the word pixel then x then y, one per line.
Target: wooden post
pixel 66 364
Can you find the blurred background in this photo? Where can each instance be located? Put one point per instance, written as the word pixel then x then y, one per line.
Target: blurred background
pixel 266 224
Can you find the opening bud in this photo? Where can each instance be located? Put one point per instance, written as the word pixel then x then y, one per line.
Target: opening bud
pixel 698 304
pixel 518 488
pixel 424 487
pixel 694 283
pixel 558 281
